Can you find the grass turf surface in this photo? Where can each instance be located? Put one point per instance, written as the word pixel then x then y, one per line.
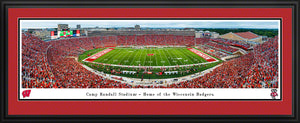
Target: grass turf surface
pixel 160 57
pixel 159 54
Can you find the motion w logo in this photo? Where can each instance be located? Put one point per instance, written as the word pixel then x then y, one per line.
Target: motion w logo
pixel 26 93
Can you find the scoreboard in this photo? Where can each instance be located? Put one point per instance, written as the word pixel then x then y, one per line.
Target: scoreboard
pixel 64 33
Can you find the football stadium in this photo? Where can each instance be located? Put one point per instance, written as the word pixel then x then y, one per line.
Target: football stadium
pixel 148 58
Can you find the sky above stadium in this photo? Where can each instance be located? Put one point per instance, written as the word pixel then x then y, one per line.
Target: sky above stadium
pixel 258 24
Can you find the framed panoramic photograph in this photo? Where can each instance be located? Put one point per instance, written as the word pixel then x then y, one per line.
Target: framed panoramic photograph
pixel 150 58
pixel 128 61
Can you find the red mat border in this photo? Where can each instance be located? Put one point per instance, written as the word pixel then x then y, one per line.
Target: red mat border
pixel 283 107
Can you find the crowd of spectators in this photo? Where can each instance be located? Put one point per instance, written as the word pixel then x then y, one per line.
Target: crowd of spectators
pixel 257 69
pixel 221 47
pixel 70 74
pixel 216 53
pixel 236 43
pixel 151 39
pixel 202 40
pixel 36 71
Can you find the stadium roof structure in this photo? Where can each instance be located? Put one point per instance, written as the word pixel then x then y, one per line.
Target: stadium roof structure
pixel 247 35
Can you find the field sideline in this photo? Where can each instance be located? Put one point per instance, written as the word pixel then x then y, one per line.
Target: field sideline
pixel 150 57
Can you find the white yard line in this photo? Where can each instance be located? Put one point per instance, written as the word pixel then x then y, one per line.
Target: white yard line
pixel 165 57
pixel 185 55
pixel 155 57
pixel 140 56
pixel 132 61
pixel 150 57
pixel 145 57
pixel 131 53
pixel 190 57
pixel 116 56
pixel 173 57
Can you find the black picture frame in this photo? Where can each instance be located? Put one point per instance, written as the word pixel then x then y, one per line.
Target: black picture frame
pixel 147 4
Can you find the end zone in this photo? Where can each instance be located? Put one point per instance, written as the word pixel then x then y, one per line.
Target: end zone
pixel 97 55
pixel 204 56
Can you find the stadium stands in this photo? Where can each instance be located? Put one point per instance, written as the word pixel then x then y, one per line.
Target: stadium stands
pixel 221 47
pixel 258 69
pixel 36 71
pixel 216 53
pixel 240 44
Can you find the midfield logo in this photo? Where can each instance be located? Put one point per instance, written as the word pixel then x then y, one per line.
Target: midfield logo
pixel 150 54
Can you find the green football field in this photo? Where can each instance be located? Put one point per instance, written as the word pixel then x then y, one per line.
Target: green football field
pixel 150 57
